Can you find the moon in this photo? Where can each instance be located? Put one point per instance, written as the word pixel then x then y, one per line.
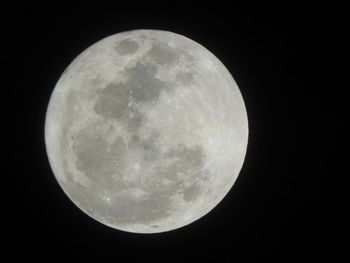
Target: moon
pixel 146 131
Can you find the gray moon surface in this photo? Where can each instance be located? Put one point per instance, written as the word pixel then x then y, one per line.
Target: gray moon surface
pixel 146 131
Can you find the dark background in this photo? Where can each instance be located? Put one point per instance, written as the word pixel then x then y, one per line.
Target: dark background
pixel 278 207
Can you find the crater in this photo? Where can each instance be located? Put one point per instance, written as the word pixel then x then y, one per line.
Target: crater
pixel 126 47
pixel 162 54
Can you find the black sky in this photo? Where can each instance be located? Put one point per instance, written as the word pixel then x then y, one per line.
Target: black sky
pixel 276 208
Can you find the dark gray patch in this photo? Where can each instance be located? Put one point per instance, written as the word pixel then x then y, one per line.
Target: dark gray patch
pixel 191 193
pixel 126 47
pixel 150 151
pixel 96 81
pixel 184 78
pixel 163 54
pixel 125 209
pixel 147 147
pixel 112 101
pixel 142 84
pixel 134 120
pixel 183 160
pixel 98 160
pixel 186 160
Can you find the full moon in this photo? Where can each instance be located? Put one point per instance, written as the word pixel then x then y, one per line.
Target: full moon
pixel 146 131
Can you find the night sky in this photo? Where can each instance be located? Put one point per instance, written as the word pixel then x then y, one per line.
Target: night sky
pixel 276 209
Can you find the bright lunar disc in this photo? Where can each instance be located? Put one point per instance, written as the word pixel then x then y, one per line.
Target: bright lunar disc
pixel 146 131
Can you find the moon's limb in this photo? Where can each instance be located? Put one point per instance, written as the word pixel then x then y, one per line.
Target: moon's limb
pixel 146 131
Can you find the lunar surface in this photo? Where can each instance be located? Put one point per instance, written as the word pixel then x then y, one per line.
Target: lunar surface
pixel 146 131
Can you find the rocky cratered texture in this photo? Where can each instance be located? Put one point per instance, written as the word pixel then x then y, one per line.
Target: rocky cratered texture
pixel 146 131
